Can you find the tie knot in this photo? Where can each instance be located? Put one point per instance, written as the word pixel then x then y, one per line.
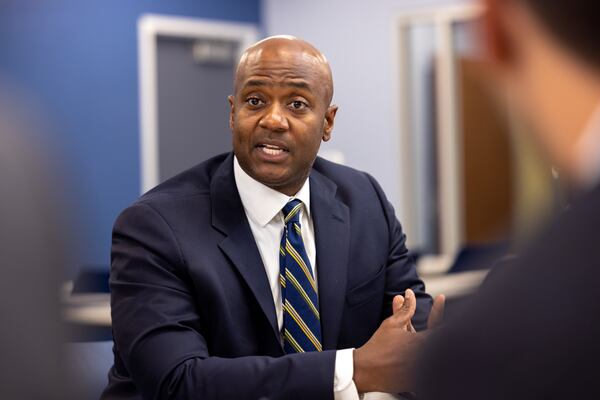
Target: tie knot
pixel 291 211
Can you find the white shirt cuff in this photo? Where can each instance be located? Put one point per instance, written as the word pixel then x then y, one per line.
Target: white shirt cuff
pixel 343 385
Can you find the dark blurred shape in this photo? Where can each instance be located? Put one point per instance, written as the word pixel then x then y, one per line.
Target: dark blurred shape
pixel 89 362
pixel 532 331
pixel 92 279
pixel 476 257
pixel 575 26
pixel 32 257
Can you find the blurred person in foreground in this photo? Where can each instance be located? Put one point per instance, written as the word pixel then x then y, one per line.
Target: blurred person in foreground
pixel 32 258
pixel 266 272
pixel 533 330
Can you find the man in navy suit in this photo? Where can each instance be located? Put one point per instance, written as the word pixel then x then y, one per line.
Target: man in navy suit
pixel 195 280
pixel 533 331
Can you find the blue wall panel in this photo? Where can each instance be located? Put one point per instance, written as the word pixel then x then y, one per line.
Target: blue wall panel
pixel 78 59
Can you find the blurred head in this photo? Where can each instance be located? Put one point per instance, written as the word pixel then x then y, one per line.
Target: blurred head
pixel 281 111
pixel 546 55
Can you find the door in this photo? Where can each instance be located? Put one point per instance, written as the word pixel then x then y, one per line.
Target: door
pixel 186 69
pixel 194 80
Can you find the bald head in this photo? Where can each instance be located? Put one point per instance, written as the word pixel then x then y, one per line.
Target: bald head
pixel 286 53
pixel 281 111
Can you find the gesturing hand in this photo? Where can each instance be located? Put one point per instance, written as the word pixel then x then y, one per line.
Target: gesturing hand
pixel 385 362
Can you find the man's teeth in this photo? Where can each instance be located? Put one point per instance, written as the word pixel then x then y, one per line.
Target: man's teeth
pixel 271 150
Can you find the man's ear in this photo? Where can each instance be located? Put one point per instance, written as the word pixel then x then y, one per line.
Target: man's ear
pixel 496 37
pixel 231 101
pixel 329 121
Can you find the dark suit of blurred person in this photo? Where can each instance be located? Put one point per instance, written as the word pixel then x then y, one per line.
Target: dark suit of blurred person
pixel 533 331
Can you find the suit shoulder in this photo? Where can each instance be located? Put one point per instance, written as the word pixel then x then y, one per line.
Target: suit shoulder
pixel 343 176
pixel 194 181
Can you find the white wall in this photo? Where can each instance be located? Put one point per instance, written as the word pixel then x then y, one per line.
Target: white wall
pixel 357 38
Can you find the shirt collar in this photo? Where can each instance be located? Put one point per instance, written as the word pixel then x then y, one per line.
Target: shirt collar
pixel 588 153
pixel 262 203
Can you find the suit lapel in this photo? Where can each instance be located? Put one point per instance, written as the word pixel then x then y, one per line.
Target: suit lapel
pixel 228 216
pixel 331 221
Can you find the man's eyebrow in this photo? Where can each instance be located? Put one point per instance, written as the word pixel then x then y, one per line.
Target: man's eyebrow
pixel 298 84
pixel 255 83
pixel 293 83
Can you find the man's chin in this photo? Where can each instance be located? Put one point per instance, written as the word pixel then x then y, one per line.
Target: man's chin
pixel 270 175
pixel 281 184
pixel 272 182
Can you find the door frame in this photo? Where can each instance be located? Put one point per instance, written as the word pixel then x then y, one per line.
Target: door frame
pixel 149 28
pixel 450 185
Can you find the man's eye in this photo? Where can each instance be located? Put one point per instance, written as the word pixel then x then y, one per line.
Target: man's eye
pixel 254 101
pixel 298 105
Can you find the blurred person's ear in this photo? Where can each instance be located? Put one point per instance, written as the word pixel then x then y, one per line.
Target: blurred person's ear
pixel 494 37
pixel 501 32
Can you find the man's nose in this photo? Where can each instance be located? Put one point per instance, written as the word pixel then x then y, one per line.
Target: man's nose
pixel 274 119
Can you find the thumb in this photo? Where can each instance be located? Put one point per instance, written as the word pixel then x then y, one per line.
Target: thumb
pixel 397 303
pixel 436 316
pixel 405 311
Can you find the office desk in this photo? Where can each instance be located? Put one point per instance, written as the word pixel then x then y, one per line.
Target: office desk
pixel 93 309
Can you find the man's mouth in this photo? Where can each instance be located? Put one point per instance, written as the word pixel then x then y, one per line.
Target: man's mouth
pixel 271 149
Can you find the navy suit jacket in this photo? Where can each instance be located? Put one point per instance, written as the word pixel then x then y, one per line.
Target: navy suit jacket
pixel 192 309
pixel 533 330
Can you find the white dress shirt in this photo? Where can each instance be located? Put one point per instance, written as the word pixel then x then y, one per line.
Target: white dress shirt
pixel 263 207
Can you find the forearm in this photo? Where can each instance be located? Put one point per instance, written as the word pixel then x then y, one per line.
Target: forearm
pixel 298 376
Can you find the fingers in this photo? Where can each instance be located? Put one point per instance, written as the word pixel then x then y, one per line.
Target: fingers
pixel 397 303
pixel 404 308
pixel 436 315
pixel 410 303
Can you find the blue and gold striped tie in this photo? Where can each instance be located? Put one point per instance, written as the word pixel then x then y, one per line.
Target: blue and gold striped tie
pixel 301 321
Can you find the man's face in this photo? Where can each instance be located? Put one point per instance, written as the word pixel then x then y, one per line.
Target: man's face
pixel 279 115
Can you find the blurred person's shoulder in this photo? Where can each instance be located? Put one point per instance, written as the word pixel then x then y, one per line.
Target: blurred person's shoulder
pixel 539 314
pixel 565 256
